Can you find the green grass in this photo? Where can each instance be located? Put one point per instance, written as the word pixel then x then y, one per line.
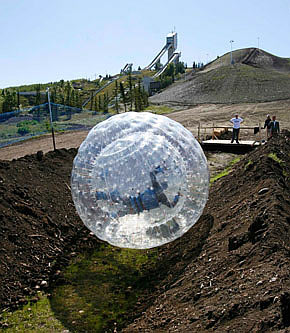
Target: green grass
pixel 274 157
pixel 159 109
pixel 247 166
pixel 33 317
pixel 226 171
pixel 101 288
pixel 9 131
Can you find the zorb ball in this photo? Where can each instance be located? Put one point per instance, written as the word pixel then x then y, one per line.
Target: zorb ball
pixel 139 180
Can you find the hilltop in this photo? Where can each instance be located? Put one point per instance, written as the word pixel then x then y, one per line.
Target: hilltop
pixel 255 76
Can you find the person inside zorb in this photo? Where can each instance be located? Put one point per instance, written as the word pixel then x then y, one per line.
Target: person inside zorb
pixel 139 180
pixel 151 198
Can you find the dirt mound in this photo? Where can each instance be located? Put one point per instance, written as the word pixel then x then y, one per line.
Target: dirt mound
pixel 230 272
pixel 254 57
pixel 256 76
pixel 39 224
pixel 238 281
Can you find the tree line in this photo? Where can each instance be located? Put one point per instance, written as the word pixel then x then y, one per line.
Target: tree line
pixel 172 72
pixel 127 95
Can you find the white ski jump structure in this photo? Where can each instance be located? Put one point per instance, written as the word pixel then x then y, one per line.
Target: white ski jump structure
pixel 173 55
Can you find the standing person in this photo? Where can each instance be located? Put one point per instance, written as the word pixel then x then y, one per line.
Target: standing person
pixel 236 127
pixel 274 127
pixel 267 126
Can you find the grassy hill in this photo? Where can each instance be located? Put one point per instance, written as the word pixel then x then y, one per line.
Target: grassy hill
pixel 255 76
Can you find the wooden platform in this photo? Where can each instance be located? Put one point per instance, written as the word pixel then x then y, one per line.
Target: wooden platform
pixel 227 146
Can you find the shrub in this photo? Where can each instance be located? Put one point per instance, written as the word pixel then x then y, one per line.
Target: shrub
pixel 23 130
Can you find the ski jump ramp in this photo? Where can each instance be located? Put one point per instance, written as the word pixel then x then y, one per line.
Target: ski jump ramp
pixel 173 55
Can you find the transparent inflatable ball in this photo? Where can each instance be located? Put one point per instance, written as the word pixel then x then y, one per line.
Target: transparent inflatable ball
pixel 139 180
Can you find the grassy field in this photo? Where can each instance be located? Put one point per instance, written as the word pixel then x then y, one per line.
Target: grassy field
pixel 13 130
pixel 101 288
pixel 99 291
pixel 33 317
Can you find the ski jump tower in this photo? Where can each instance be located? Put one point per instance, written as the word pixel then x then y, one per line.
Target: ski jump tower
pixel 173 55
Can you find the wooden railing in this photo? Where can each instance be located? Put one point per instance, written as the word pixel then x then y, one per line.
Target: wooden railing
pixel 215 127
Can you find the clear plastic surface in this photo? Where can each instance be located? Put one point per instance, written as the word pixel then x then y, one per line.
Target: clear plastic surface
pixel 139 180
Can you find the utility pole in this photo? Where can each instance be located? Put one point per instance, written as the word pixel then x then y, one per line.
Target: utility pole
pixel 231 41
pixel 50 117
pixel 258 43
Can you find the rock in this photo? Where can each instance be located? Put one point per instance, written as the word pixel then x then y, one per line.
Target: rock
pixel 39 155
pixel 263 190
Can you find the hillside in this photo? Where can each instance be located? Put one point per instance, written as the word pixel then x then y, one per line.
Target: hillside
pixel 230 272
pixel 256 76
pixel 237 279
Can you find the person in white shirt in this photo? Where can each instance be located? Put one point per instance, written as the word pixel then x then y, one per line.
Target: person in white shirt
pixel 236 127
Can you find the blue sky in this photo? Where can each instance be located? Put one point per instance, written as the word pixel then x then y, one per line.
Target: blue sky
pixel 44 41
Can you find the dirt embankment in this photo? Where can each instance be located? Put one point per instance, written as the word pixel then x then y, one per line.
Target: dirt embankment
pixel 239 280
pixel 229 273
pixel 38 223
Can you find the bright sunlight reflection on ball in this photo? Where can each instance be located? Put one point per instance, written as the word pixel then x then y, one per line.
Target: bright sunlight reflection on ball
pixel 139 180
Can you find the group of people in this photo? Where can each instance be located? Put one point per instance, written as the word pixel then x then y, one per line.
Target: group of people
pixel 272 127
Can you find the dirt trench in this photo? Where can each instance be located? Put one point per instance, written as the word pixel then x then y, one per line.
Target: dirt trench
pixel 230 272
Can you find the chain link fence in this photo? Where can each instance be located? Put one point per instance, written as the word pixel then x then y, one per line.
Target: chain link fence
pixel 23 124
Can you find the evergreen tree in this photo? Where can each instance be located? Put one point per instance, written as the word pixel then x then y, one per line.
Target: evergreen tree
pixel 106 102
pixel 169 71
pixel 18 99
pixel 73 98
pixel 78 102
pixel 123 95
pixel 130 90
pixel 67 93
pixel 37 97
pixel 96 105
pixel 145 98
pixel 100 105
pixel 136 104
pixel 179 68
pixel 7 105
pixel 158 66
pixel 53 95
pixel 116 96
pixel 91 100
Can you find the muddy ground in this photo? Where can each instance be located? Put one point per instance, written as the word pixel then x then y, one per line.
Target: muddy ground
pixel 229 273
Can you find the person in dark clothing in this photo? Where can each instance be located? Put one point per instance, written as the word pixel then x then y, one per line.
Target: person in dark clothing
pixel 147 200
pixel 267 125
pixel 274 127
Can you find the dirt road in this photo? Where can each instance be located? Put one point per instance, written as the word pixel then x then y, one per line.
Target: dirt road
pixel 207 114
pixel 219 114
pixel 44 143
